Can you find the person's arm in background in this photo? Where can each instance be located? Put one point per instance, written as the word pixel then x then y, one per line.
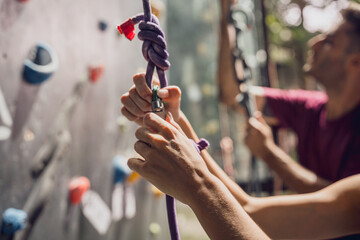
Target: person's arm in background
pixel 260 141
pixel 293 174
pixel 228 88
pixel 329 213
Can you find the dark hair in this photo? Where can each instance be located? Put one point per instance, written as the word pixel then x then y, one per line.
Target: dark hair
pixel 352 15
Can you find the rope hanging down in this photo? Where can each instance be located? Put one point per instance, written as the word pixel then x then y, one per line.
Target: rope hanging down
pixel 154 52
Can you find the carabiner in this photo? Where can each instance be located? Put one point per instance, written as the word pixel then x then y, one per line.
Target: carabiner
pixel 157 104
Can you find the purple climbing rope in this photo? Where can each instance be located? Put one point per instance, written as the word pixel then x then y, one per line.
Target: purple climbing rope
pixel 154 52
pixel 154 45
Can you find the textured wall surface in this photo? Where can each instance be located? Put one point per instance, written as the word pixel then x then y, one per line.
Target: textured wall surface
pixel 71 29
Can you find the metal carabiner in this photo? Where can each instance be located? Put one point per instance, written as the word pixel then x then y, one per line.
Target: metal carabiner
pixel 157 104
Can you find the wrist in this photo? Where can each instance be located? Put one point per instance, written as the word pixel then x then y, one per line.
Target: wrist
pixel 205 188
pixel 269 152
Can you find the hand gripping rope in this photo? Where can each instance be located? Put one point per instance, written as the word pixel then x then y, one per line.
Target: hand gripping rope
pixel 154 52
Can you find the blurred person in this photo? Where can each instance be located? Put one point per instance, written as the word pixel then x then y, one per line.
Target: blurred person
pixel 171 162
pixel 326 123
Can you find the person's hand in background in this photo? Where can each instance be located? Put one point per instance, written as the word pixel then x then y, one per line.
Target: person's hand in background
pixel 259 138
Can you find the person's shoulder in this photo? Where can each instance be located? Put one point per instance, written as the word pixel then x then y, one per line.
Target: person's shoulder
pixel 313 99
pixel 307 97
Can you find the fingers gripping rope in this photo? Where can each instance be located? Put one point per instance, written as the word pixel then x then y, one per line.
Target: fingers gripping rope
pixel 153 48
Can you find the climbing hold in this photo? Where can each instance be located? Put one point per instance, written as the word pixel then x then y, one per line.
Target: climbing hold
pixel 157 193
pixel 121 169
pixel 157 7
pixel 102 25
pixel 133 178
pixel 95 72
pixel 155 228
pixel 40 65
pixel 13 220
pixel 77 187
pixel 127 28
pixel 122 123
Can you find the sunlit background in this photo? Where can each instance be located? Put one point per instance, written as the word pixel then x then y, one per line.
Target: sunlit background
pixel 279 39
pixel 84 35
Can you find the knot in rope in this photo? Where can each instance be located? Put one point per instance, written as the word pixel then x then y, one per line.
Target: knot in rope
pixel 154 45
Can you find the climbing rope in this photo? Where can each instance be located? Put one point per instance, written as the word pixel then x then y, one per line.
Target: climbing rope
pixel 154 52
pixel 154 45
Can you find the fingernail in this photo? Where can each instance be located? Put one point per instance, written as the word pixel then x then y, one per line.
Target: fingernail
pixel 253 121
pixel 257 114
pixel 163 93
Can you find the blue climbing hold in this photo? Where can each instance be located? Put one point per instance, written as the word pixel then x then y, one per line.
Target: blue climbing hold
pixel 13 220
pixel 121 169
pixel 102 25
pixel 40 65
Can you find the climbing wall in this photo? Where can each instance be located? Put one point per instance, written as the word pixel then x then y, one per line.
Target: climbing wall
pixel 71 119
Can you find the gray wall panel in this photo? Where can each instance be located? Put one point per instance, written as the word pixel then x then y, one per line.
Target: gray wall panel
pixel 71 28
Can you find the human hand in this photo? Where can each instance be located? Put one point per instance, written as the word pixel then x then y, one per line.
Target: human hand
pixel 171 162
pixel 259 138
pixel 137 102
pixel 226 144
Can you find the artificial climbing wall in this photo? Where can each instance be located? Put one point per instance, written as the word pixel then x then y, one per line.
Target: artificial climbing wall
pixel 82 140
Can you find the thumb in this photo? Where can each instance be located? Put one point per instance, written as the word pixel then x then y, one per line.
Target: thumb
pixel 253 123
pixel 170 93
pixel 258 115
pixel 136 164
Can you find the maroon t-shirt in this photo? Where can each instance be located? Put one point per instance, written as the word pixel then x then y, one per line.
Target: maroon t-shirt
pixel 330 148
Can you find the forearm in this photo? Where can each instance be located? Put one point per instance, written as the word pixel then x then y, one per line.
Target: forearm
pixel 293 174
pixel 228 87
pixel 213 167
pixel 220 215
pixel 328 213
pixel 187 128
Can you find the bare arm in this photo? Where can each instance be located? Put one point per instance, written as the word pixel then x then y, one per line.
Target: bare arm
pixel 211 164
pixel 221 216
pixel 293 174
pixel 187 178
pixel 328 213
pixel 260 142
pixel 228 88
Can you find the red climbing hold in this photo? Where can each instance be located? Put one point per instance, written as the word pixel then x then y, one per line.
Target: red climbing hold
pixel 95 72
pixel 127 28
pixel 77 188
